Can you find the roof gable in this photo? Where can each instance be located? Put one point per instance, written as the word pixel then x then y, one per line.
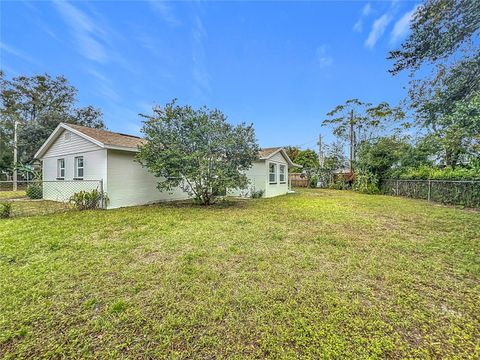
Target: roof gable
pixel 103 138
pixel 268 153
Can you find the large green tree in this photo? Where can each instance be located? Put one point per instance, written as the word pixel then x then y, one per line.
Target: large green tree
pixel 197 150
pixel 387 153
pixel 308 159
pixel 38 104
pixel 442 56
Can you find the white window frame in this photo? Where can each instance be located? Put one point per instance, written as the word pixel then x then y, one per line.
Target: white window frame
pixel 77 168
pixel 274 173
pixel 61 169
pixel 282 173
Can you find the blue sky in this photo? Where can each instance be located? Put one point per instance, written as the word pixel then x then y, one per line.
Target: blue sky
pixel 280 65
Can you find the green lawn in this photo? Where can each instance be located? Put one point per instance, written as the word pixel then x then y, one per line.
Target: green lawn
pixel 320 273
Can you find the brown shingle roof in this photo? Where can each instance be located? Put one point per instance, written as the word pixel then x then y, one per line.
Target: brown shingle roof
pixel 108 137
pixel 266 152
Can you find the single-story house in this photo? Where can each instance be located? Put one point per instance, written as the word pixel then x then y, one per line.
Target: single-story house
pixel 76 158
pixel 268 174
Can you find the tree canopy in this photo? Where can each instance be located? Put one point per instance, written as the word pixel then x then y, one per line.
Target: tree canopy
pixel 197 150
pixel 443 43
pixel 38 104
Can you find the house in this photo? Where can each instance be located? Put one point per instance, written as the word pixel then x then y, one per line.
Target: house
pixel 268 174
pixel 80 158
pixel 76 158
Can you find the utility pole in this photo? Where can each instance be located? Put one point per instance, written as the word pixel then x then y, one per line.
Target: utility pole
pixel 352 142
pixel 321 156
pixel 15 123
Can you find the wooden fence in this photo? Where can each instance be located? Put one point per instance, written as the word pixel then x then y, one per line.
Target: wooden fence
pixel 296 180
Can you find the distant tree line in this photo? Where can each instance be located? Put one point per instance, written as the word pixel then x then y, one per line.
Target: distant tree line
pixel 435 131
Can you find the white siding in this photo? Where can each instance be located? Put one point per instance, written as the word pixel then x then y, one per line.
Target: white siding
pixel 76 144
pixel 130 184
pixel 278 188
pixel 95 168
pixel 257 176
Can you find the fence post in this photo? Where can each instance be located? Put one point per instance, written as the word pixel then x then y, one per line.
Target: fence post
pixel 102 198
pixel 429 188
pixel 398 194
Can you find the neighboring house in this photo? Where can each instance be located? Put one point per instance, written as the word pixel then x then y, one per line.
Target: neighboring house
pixel 76 158
pixel 268 174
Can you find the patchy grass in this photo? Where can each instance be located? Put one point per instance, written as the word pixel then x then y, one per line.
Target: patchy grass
pixel 316 274
pixel 12 194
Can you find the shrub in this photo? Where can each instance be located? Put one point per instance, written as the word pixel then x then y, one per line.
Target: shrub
pixel 366 182
pixel 313 181
pixel 5 210
pixel 84 200
pixel 256 194
pixel 435 173
pixel 34 191
pixel 339 184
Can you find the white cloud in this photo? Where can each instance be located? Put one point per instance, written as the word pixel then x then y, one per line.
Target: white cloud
pixel 358 27
pixel 16 52
pixel 105 87
pixel 378 28
pixel 86 32
pixel 324 60
pixel 367 9
pixel 402 26
pixel 164 11
pixel 200 71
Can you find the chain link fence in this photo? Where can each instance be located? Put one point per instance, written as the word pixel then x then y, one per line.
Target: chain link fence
pixel 454 192
pixel 28 198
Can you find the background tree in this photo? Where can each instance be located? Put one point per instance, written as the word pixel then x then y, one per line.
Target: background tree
pixel 292 152
pixel 197 150
pixel 357 122
pixel 38 104
pixel 308 159
pixel 335 158
pixel 443 43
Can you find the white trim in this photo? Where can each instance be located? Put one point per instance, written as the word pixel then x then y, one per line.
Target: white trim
pixel 285 171
pixel 81 134
pixel 76 168
pixel 54 135
pixel 284 154
pixel 122 148
pixel 59 169
pixel 275 173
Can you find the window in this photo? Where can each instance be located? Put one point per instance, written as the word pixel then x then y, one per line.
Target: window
pixel 282 174
pixel 78 167
pixel 272 173
pixel 67 136
pixel 60 169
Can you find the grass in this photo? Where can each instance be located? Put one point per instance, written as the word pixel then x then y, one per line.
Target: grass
pixel 320 273
pixel 4 195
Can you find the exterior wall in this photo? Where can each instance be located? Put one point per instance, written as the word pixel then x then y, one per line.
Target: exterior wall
pixel 278 188
pixel 75 145
pixel 95 165
pixel 257 176
pixel 94 158
pixel 131 184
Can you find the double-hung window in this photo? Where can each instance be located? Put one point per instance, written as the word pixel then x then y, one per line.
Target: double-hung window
pixel 78 167
pixel 272 173
pixel 60 169
pixel 282 174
